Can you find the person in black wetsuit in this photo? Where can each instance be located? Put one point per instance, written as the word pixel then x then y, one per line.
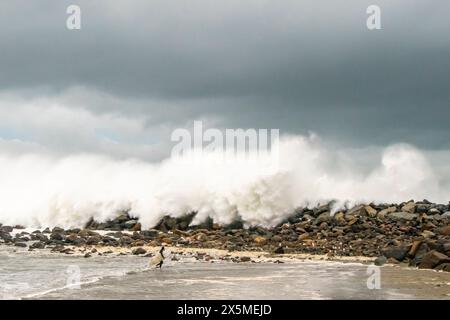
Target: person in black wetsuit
pixel 159 265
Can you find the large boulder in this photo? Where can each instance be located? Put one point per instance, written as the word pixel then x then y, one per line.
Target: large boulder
pixel 423 207
pixel 6 229
pixel 38 245
pixel 403 216
pixel 57 235
pixel 382 214
pixel 433 259
pixel 5 236
pixel 398 253
pixel 421 251
pixel 410 207
pixel 139 251
pixel 93 240
pixel 371 211
pixel 379 261
pixel 166 224
pixel 359 210
pixel 323 217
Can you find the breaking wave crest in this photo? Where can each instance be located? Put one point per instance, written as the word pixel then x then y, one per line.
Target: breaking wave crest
pixel 41 190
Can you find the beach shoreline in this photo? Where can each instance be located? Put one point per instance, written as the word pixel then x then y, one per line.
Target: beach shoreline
pixel 411 233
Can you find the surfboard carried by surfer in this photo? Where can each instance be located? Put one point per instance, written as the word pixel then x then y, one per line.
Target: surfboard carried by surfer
pixel 158 259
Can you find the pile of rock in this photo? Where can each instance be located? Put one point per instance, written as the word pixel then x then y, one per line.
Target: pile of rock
pixel 417 233
pixel 122 222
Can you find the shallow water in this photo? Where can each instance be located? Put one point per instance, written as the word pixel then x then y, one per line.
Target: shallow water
pixel 40 275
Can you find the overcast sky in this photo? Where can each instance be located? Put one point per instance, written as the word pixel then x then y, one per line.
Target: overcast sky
pixel 138 69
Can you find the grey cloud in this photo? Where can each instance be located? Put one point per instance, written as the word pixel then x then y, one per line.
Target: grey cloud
pixel 294 65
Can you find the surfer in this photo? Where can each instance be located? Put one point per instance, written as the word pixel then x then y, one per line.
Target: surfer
pixel 161 258
pixel 158 259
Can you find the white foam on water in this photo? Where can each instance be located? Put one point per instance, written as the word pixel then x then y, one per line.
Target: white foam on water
pixel 39 190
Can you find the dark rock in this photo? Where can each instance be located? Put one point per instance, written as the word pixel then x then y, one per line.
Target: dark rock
pixel 279 250
pixel 57 230
pixel 208 224
pixel 446 247
pixel 323 217
pixel 433 259
pixel 420 253
pixel 167 223
pixel 237 224
pixel 414 247
pixel 138 251
pixel 392 261
pixel 71 238
pixel 20 244
pixel 321 209
pixel 117 234
pixel 398 253
pixel 136 227
pixel 87 255
pixel 125 241
pixel 443 267
pixel 6 237
pixel 410 207
pixel 18 238
pixel 38 245
pixel 442 208
pixel 381 260
pixel 93 240
pixel 398 216
pixel 128 224
pixel 121 218
pixel 110 241
pixel 79 242
pixel 57 236
pixel 423 208
pixel 6 229
pixel 138 243
pixel 39 237
pixel 434 211
pixel 359 210
pixel 137 236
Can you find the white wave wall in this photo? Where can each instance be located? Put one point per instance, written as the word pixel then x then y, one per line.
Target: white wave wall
pixel 40 190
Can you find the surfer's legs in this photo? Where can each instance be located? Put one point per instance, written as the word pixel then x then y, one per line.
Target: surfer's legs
pixel 159 265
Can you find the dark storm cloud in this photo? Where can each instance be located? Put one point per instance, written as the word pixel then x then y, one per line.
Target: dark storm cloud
pixel 296 65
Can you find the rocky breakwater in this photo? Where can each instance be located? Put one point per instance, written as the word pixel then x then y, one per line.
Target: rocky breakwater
pixel 416 233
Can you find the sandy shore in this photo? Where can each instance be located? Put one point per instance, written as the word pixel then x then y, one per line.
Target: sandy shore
pixel 217 254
